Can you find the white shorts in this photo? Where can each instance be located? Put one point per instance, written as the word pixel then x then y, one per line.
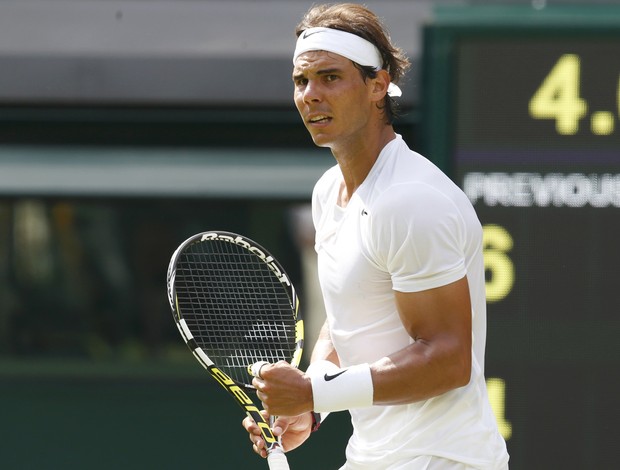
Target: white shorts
pixel 422 462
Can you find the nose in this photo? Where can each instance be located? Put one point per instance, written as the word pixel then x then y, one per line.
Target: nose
pixel 312 92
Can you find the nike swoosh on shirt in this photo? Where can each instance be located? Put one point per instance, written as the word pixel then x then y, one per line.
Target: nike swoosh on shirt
pixel 332 377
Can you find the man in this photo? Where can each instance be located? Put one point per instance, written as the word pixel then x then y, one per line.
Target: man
pixel 401 272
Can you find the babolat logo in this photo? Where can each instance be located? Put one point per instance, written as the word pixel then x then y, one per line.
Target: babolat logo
pixel 245 401
pixel 238 240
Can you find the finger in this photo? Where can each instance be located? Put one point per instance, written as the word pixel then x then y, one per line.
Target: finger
pixel 259 447
pixel 255 369
pixel 257 441
pixel 251 427
pixel 255 436
pixel 258 384
pixel 262 396
pixel 249 424
pixel 260 451
pixel 279 427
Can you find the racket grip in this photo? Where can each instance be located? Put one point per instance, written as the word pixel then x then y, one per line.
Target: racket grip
pixel 277 460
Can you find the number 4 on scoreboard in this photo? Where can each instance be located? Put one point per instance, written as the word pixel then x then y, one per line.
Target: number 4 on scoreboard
pixel 558 96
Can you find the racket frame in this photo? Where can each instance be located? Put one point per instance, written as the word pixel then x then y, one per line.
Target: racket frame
pixel 234 388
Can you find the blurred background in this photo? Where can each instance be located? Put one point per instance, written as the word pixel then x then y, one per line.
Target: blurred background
pixel 126 126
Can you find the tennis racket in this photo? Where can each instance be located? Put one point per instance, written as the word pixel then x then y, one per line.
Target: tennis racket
pixel 234 305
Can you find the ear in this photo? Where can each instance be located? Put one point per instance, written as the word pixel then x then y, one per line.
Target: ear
pixel 380 85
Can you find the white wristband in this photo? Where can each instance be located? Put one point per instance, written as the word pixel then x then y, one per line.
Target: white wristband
pixel 319 368
pixel 336 389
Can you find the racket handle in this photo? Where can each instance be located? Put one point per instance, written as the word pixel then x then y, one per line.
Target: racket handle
pixel 277 460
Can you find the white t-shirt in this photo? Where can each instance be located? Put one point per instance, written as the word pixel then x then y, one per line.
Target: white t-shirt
pixel 408 228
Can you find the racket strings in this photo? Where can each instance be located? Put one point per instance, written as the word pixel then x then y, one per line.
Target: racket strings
pixel 235 306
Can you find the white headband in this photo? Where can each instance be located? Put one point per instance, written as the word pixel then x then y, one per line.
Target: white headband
pixel 348 45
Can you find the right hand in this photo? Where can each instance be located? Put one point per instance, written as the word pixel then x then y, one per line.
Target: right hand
pixel 294 431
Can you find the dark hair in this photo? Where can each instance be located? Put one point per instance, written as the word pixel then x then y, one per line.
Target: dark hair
pixel 359 20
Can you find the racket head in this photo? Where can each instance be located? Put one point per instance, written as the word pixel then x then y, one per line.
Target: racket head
pixel 234 304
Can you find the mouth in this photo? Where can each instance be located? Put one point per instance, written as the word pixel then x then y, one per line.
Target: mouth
pixel 319 119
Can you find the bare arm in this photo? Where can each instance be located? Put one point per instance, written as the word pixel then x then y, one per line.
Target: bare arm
pixel 439 320
pixel 324 348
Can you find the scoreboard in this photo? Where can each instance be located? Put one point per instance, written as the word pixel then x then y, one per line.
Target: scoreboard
pixel 522 110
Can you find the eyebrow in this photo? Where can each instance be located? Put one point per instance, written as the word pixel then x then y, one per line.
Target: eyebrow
pixel 319 72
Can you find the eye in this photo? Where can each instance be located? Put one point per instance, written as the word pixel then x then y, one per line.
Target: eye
pixel 331 78
pixel 300 82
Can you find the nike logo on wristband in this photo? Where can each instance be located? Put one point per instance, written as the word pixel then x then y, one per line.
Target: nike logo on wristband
pixel 332 377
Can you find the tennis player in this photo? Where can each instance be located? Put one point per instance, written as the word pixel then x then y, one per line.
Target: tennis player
pixel 401 272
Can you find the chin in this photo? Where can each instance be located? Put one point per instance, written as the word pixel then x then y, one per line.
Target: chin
pixel 320 143
pixel 321 140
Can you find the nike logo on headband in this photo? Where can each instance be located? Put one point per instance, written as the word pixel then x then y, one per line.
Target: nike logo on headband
pixel 306 33
pixel 348 45
pixel 332 377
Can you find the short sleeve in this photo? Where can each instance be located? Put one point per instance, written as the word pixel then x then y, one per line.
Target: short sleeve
pixel 417 235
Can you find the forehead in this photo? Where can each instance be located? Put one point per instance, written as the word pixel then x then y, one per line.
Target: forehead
pixel 314 60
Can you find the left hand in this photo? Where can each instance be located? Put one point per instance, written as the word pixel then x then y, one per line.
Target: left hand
pixel 284 390
pixel 293 430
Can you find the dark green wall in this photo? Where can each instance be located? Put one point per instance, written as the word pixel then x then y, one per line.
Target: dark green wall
pixel 103 423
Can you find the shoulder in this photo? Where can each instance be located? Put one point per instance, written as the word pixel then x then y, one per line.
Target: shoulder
pixel 415 215
pixel 409 188
pixel 398 164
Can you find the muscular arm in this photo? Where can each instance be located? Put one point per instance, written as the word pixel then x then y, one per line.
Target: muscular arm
pixel 439 320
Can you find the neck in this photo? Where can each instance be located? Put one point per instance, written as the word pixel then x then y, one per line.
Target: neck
pixel 357 158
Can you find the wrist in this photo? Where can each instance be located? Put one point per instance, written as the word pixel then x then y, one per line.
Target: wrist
pixel 336 389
